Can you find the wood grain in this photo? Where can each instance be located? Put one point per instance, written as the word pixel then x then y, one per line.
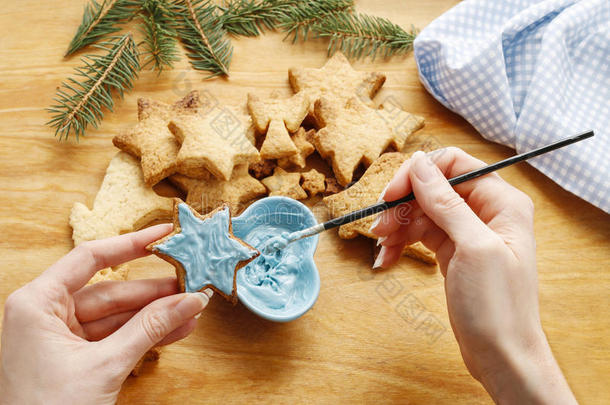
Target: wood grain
pixel 371 337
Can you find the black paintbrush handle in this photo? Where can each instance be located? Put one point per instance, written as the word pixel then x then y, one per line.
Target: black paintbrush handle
pixel 384 205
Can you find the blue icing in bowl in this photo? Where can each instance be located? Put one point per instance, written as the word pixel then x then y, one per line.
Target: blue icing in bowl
pixel 283 285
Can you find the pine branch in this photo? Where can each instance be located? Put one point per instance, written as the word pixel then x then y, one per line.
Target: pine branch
pixel 201 32
pixel 298 21
pixel 80 103
pixel 159 35
pixel 251 17
pixel 100 20
pixel 361 35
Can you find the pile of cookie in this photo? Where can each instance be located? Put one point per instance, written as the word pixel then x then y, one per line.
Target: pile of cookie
pixel 234 154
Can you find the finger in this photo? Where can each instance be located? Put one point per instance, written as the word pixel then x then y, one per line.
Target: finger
pixel 482 192
pixel 153 323
pixel 77 267
pixel 112 297
pixel 442 204
pixel 420 229
pixel 400 185
pixel 180 333
pixel 388 255
pixel 391 220
pixel 100 328
pixel 505 209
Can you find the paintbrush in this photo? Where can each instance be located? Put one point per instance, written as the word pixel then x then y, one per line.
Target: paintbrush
pixel 279 242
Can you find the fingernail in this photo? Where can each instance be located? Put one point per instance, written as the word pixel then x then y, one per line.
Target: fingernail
pixel 375 223
pixel 382 194
pixel 198 315
pixel 208 292
pixel 381 239
pixel 423 168
pixel 380 258
pixel 192 304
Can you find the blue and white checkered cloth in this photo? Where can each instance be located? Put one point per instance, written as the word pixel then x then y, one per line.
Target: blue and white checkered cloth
pixel 526 73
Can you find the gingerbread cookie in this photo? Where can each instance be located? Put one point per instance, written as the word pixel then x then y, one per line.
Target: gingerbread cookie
pixel 285 183
pixel 415 251
pixel 151 355
pixel 304 149
pixel 363 193
pixel 336 80
pixel 215 142
pixel 313 182
pixel 332 186
pixel 402 123
pixel 419 252
pixel 207 194
pixel 150 139
pixel 276 118
pixel 124 203
pixel 204 250
pixel 354 134
pixel 117 273
pixel 366 192
pixel 263 168
pixel 240 116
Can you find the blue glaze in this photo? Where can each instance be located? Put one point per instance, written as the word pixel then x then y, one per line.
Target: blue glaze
pixel 205 250
pixel 283 285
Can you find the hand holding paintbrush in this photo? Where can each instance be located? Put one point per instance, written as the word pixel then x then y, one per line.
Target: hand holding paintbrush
pixel 280 242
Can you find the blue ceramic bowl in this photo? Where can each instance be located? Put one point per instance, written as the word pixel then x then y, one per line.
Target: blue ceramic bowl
pixel 284 285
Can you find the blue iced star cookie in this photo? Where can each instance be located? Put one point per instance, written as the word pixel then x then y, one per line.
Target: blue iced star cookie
pixel 204 250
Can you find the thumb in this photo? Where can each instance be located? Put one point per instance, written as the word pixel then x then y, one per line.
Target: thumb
pixel 441 203
pixel 153 323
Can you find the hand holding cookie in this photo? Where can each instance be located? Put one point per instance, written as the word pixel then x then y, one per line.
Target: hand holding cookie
pixel 57 330
pixel 482 234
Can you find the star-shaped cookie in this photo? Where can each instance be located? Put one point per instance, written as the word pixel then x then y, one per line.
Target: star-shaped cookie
pixel 415 251
pixel 263 168
pixel 204 250
pixel 403 124
pixel 205 195
pixel 151 140
pixel 124 203
pixel 313 182
pixel 215 142
pixel 336 80
pixel 276 118
pixel 304 149
pixel 285 183
pixel 332 186
pixel 366 192
pixel 354 134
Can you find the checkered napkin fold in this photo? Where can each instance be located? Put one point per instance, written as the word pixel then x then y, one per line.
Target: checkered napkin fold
pixel 526 73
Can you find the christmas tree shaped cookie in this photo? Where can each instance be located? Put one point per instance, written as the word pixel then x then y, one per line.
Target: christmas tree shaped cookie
pixel 124 203
pixel 204 250
pixel 304 149
pixel 277 118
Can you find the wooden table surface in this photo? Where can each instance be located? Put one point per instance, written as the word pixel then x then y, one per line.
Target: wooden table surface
pixel 371 337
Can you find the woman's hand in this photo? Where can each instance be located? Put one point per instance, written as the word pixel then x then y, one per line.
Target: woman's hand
pixel 482 233
pixel 64 343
